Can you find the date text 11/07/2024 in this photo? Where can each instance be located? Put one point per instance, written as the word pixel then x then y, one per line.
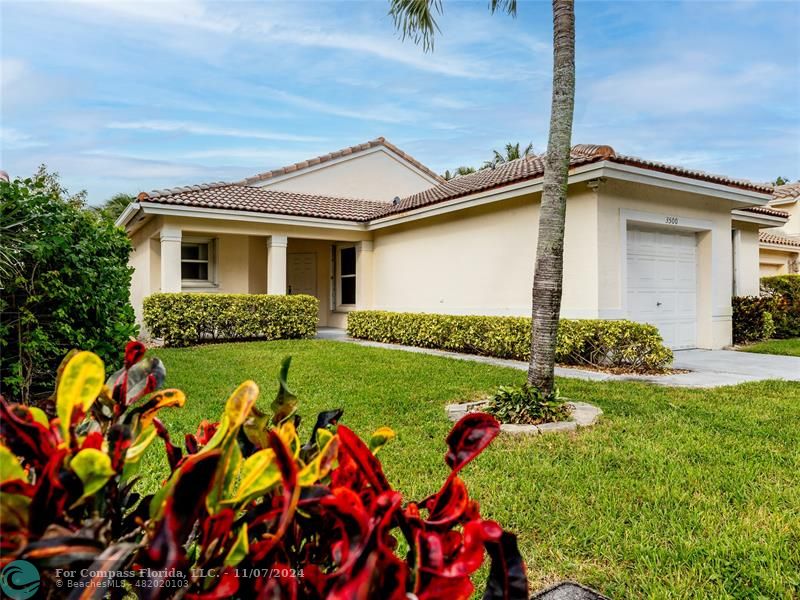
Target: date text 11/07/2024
pixel 152 574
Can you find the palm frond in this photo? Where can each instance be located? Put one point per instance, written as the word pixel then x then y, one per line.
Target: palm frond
pixel 506 6
pixel 416 19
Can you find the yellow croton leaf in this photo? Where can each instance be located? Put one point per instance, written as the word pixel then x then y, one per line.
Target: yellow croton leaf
pixel 380 438
pixel 78 386
pixel 288 434
pixel 239 549
pixel 259 473
pixel 238 406
pixel 321 465
pixel 10 469
pixel 93 468
pixel 160 400
pixel 39 416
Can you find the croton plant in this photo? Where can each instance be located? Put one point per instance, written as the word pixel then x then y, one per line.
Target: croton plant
pixel 248 510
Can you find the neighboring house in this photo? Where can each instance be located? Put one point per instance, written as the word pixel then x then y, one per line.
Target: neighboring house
pixel 370 227
pixel 780 248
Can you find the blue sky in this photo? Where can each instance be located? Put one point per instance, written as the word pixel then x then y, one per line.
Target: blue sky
pixel 124 97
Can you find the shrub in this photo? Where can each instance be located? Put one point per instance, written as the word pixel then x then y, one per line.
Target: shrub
pixel 598 343
pixel 65 281
pixel 525 404
pixel 786 290
pixel 183 319
pixel 753 318
pixel 248 505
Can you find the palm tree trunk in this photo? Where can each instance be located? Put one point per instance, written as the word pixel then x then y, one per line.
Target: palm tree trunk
pixel 548 276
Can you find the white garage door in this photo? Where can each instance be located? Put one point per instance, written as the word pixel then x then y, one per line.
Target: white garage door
pixel 662 283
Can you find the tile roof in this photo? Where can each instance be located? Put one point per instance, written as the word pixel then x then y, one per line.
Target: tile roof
pixel 243 196
pixel 233 196
pixel 786 191
pixel 532 167
pixel 767 210
pixel 343 152
pixel 778 239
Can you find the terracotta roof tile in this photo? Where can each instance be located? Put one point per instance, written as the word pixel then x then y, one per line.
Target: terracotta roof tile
pixel 532 167
pixel 242 196
pixel 232 196
pixel 343 152
pixel 767 210
pixel 788 190
pixel 779 239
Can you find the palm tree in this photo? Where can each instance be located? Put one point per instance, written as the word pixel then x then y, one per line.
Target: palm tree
pixel 512 152
pixel 112 208
pixel 417 19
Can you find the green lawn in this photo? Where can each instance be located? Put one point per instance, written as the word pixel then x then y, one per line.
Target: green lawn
pixel 676 494
pixel 785 347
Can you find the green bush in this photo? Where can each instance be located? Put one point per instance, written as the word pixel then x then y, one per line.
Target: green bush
pixel 753 318
pixel 65 283
pixel 525 405
pixel 183 319
pixel 587 342
pixel 786 291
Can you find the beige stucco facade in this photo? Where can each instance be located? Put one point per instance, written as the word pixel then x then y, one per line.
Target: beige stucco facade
pixel 376 174
pixel 472 255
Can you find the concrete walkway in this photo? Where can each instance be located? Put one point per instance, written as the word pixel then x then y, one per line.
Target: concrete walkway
pixel 707 368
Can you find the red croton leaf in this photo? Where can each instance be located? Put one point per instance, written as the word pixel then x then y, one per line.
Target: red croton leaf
pixel 182 508
pixel 291 495
pixel 507 576
pixel 205 431
pixel 174 453
pixel 352 447
pixel 134 352
pixel 24 436
pixel 93 440
pixel 448 506
pixel 119 440
pixel 469 437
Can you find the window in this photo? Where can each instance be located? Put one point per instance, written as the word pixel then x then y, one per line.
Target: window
pixel 347 275
pixel 196 261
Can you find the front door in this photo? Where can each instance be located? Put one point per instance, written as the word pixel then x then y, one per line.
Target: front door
pixel 301 273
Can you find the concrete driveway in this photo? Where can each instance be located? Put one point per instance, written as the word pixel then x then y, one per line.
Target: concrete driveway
pixel 706 368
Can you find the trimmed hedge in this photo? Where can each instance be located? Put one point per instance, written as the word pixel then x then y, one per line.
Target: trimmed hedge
pixel 183 319
pixel 593 342
pixel 753 319
pixel 786 291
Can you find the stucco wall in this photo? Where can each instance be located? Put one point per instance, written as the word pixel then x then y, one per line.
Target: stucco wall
pixel 714 274
pixel 746 259
pixel 376 175
pixel 775 262
pixel 481 261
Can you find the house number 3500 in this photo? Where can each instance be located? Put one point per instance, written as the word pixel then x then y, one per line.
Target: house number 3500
pixel 672 220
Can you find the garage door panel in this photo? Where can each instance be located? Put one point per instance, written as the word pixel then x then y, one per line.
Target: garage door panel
pixel 662 283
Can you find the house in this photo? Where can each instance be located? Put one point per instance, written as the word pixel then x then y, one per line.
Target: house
pixel 780 248
pixel 371 227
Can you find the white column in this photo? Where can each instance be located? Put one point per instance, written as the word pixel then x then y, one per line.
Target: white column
pixel 276 264
pixel 170 258
pixel 364 274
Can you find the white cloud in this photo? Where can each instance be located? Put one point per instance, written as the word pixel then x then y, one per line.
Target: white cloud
pixel 13 138
pixel 693 84
pixel 183 13
pixel 199 129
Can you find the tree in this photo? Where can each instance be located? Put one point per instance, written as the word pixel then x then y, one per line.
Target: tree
pixel 417 19
pixel 512 152
pixel 112 208
pixel 69 286
pixel 458 172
